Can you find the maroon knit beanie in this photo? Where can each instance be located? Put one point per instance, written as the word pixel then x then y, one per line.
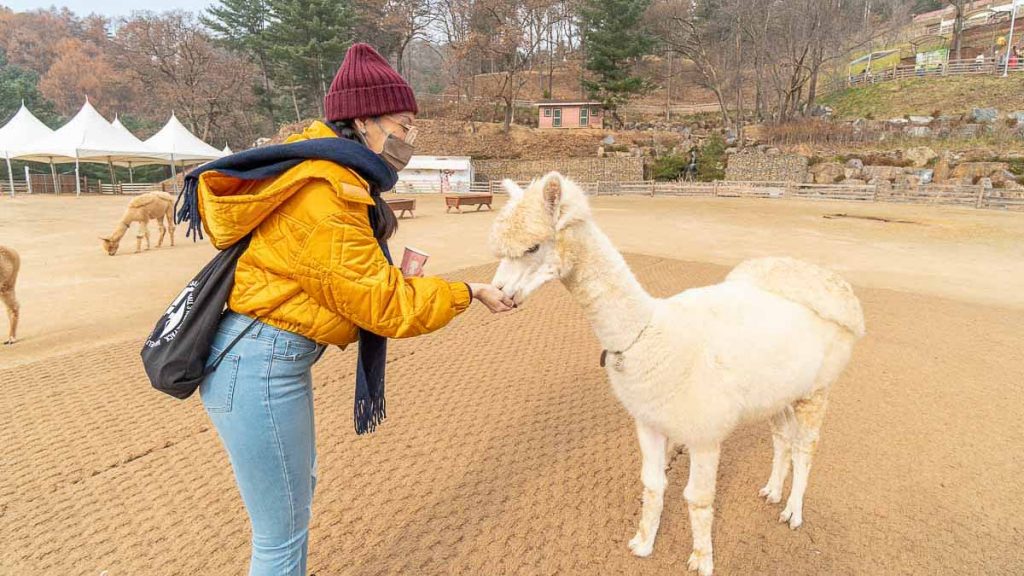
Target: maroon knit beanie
pixel 366 86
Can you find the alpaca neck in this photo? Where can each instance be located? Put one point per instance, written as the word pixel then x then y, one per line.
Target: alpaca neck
pixel 616 304
pixel 119 231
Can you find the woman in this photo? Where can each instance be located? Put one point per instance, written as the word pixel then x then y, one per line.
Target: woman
pixel 314 274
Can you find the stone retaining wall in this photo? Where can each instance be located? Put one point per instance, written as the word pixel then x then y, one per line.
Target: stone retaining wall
pixel 760 167
pixel 579 169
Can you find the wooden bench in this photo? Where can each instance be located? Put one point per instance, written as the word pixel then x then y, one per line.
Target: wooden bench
pixel 402 205
pixel 457 201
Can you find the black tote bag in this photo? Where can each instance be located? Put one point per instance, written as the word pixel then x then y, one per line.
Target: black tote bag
pixel 176 352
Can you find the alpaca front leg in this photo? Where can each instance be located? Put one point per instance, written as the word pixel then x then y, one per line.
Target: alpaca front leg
pixel 653 450
pixel 809 415
pixel 142 232
pixel 11 302
pixel 782 426
pixel 163 232
pixel 700 499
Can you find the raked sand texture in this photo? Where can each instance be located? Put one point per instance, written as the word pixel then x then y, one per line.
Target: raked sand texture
pixel 504 452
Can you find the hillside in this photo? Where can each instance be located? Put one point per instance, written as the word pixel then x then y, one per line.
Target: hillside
pixel 486 140
pixel 565 83
pixel 926 96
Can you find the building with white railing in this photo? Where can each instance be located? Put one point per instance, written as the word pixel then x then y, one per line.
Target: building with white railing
pixel 436 174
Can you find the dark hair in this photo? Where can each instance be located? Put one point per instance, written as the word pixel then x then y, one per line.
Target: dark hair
pixel 382 218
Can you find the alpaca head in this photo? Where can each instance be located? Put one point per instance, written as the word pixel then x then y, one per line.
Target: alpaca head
pixel 527 233
pixel 109 245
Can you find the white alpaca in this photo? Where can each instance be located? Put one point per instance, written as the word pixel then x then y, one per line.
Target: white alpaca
pixel 764 344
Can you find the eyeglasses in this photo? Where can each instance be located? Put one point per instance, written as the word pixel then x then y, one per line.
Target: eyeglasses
pixel 410 131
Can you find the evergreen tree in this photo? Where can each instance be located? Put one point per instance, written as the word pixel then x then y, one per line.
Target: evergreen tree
pixel 309 40
pixel 243 26
pixel 19 85
pixel 922 6
pixel 615 39
pixel 711 159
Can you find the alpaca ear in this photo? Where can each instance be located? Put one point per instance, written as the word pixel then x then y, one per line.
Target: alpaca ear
pixel 553 192
pixel 513 189
pixel 104 238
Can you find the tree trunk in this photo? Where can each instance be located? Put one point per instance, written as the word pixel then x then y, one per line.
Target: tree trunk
pixel 508 116
pixel 264 69
pixel 295 103
pixel 551 66
pixel 812 85
pixel 726 120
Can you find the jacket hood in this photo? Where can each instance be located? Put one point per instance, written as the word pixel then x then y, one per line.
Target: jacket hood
pixel 231 207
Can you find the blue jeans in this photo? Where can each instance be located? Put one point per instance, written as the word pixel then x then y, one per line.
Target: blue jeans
pixel 260 400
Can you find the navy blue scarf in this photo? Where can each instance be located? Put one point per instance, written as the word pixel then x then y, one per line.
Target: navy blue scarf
pixel 271 161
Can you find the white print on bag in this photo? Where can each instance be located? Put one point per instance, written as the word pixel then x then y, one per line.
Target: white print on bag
pixel 174 315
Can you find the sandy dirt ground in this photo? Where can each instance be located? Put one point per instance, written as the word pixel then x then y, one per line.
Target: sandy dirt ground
pixel 504 451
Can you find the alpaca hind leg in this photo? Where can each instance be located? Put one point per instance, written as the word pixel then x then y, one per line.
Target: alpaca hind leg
pixel 809 414
pixel 652 449
pixel 783 426
pixel 10 300
pixel 163 231
pixel 700 499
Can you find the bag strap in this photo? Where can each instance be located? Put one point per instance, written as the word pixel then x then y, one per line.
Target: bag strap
pixel 209 369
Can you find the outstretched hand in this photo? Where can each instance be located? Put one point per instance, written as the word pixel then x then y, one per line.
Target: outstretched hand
pixel 494 299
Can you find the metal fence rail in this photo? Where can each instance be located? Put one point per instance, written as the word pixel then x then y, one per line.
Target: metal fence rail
pixel 965 67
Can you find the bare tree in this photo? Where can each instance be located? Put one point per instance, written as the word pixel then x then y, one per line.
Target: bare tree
pixel 184 70
pixel 507 37
pixel 773 53
pixel 692 30
pixel 407 20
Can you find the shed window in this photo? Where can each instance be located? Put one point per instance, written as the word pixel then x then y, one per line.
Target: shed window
pixel 547 112
pixel 584 116
pixel 557 120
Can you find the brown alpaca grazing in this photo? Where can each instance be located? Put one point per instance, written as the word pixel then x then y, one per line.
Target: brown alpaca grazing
pixel 10 262
pixel 157 206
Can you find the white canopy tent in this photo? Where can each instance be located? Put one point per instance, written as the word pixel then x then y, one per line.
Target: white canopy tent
pixel 227 150
pixel 180 145
pixel 23 129
pixel 121 128
pixel 89 137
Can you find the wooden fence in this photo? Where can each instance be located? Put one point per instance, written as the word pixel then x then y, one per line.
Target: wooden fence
pixel 128 188
pixel 974 196
pixel 43 184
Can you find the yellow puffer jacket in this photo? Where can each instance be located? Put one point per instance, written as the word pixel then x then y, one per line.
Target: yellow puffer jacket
pixel 313 266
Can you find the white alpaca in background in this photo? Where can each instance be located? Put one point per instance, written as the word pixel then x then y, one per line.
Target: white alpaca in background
pixel 764 344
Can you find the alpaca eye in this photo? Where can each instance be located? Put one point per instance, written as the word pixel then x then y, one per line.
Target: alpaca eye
pixel 533 249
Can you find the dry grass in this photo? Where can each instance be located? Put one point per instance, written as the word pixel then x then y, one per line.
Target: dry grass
pixel 924 96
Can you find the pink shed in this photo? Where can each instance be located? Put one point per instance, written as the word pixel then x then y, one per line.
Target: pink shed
pixel 569 114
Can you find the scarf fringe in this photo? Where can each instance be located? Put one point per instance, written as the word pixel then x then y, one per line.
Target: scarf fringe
pixel 369 412
pixel 188 199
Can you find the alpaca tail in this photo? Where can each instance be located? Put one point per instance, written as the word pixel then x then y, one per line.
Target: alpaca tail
pixel 821 290
pixel 169 213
